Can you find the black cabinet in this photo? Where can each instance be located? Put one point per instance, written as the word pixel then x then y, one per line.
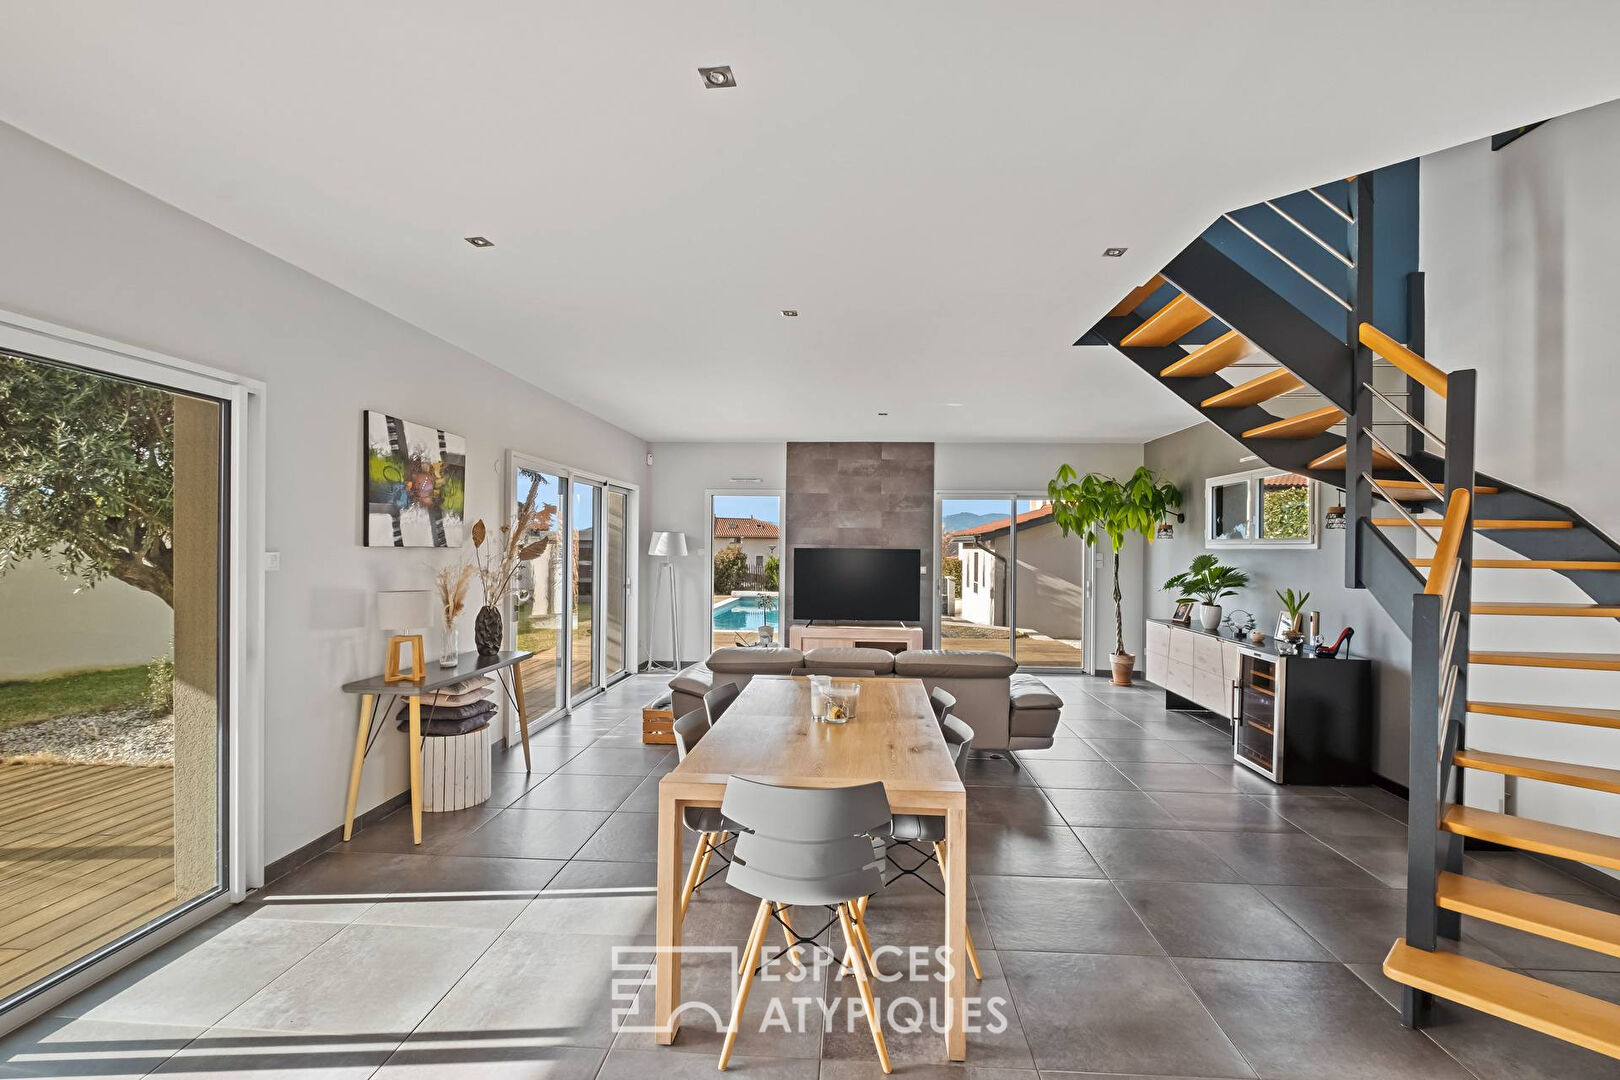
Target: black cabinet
pixel 1303 720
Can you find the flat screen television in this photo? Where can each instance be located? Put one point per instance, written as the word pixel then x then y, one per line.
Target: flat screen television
pixel 857 584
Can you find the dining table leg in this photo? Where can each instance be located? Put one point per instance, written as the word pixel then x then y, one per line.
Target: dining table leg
pixel 956 930
pixel 667 963
pixel 522 713
pixel 368 702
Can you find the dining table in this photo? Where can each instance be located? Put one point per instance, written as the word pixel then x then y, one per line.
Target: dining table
pixel 768 734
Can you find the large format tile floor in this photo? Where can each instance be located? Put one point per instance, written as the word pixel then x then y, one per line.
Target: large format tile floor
pixel 1140 906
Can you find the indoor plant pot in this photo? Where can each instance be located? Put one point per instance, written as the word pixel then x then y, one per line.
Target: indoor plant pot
pixel 1210 616
pixel 1124 664
pixel 1206 582
pixel 488 633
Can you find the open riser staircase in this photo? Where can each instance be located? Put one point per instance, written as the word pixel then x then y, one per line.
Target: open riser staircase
pixel 1257 353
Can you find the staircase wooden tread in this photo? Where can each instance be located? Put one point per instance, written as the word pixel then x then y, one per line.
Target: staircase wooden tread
pixel 1574 660
pixel 1541 1006
pixel 1553 772
pixel 1134 298
pixel 1534 564
pixel 1223 352
pixel 1542 837
pixel 1334 459
pixel 1302 426
pixel 1557 714
pixel 1500 524
pixel 1169 324
pixel 1263 388
pixel 1418 491
pixel 1598 611
pixel 1573 924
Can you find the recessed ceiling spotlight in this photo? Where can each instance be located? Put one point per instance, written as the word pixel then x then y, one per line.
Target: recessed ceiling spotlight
pixel 883 414
pixel 1113 253
pixel 718 78
pixel 479 241
pixel 953 405
pixel 790 313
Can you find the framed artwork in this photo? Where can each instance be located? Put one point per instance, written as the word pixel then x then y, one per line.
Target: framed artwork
pixel 416 484
pixel 1183 612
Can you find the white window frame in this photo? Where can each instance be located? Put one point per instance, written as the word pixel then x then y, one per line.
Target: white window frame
pixel 1252 479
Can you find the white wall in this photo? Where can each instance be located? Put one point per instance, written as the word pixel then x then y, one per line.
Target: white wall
pixel 53 624
pixel 88 251
pixel 675 502
pixel 1519 253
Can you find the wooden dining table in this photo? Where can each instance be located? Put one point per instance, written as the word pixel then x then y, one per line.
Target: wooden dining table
pixel 767 734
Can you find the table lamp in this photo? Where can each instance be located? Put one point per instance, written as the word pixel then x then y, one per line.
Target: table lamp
pixel 668 545
pixel 403 609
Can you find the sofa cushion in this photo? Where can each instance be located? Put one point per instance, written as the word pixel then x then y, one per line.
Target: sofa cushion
pixel 831 661
pixel 697 680
pixel 1028 692
pixel 735 660
pixel 949 664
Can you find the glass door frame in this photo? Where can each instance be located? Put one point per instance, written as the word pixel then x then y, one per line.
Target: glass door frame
pixel 626 587
pixel 1013 496
pixel 515 460
pixel 597 649
pixel 708 552
pixel 241 629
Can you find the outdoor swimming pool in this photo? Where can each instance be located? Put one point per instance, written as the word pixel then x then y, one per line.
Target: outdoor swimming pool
pixel 745 613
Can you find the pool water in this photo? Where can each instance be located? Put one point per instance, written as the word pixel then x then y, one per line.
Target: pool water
pixel 743 613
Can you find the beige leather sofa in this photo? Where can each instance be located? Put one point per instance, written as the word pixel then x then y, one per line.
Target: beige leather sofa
pixel 1007 710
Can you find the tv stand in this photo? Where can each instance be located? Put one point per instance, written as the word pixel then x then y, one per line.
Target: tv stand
pixel 890 636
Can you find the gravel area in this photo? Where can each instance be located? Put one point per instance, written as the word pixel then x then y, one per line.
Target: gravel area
pixel 130 738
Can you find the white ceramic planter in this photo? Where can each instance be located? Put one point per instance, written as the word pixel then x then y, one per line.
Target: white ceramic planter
pixel 1210 616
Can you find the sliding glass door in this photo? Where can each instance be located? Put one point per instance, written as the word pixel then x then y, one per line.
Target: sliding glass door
pixel 616 583
pixel 114 693
pixel 538 591
pixel 586 528
pixel 1010 581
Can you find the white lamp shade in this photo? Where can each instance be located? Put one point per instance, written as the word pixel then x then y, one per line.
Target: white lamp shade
pixel 403 609
pixel 667 544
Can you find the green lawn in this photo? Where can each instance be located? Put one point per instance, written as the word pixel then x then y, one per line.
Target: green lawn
pixel 83 693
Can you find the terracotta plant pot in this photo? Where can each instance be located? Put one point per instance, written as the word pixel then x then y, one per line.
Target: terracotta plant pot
pixel 1124 665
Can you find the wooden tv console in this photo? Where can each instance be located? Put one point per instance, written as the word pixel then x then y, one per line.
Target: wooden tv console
pixel 893 637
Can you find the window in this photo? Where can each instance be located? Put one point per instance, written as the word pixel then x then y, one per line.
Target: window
pixel 1262 508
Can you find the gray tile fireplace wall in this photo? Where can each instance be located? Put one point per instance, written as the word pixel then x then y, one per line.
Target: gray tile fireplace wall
pixel 861 494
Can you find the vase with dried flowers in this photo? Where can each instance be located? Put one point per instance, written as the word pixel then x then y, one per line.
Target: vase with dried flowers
pixel 497 568
pixel 453 583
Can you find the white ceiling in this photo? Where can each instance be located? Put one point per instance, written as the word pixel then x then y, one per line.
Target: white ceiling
pixel 930 184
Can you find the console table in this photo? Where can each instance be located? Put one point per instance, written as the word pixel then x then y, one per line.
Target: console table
pixel 374 691
pixel 891 637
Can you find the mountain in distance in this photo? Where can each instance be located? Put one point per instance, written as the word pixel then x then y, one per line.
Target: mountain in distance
pixel 966 520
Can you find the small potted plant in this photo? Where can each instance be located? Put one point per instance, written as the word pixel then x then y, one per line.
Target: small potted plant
pixel 1206 582
pixel 1293 609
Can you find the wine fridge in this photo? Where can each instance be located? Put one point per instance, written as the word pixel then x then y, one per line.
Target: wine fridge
pixel 1259 713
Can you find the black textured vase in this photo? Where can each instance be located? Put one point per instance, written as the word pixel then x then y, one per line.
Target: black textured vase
pixel 487 631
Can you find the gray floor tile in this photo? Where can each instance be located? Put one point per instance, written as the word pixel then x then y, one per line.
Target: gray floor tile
pixel 1035 851
pixel 506 788
pixel 1061 915
pixel 1287 859
pixel 1174 776
pixel 1092 775
pixel 640 1064
pixel 428 1057
pixel 483 913
pixel 1333 818
pixel 628 838
pixel 605 875
pixel 637 761
pixel 1155 855
pixel 531 834
pixel 1136 750
pixel 1019 806
pixel 225 1052
pixel 1335 1026
pixel 583 792
pixel 1110 809
pixel 1357 926
pixel 440 832
pixel 1106 724
pixel 1158 1027
pixel 1219 921
pixel 335 989
pixel 644 799
pixel 625 916
pixel 994 769
pixel 84 1047
pixel 1221 812
pixel 1063 748
pixel 544 757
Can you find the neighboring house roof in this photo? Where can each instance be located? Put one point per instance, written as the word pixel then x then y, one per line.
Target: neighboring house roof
pixel 729 528
pixel 1030 519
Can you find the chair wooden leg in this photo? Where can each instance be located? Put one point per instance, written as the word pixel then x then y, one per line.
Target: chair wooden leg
pixel 749 961
pixel 852 939
pixel 694 871
pixel 973 954
pixel 760 918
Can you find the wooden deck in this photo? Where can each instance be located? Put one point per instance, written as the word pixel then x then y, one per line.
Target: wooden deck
pixel 86 855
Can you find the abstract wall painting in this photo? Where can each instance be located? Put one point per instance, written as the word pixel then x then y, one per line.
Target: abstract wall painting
pixel 416 484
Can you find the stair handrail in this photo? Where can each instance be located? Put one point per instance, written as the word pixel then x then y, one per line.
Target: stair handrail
pixel 1408 361
pixel 1446 566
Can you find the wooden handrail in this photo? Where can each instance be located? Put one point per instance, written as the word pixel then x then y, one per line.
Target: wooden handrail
pixel 1446 549
pixel 1403 358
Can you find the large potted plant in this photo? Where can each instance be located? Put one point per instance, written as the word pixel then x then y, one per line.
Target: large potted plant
pixel 1206 582
pixel 1096 506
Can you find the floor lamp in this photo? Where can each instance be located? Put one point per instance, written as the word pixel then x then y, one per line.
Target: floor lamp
pixel 667 545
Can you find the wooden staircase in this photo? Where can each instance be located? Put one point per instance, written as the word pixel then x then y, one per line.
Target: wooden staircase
pixel 1295 442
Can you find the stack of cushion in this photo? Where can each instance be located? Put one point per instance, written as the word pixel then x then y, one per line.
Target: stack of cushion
pixel 454 710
